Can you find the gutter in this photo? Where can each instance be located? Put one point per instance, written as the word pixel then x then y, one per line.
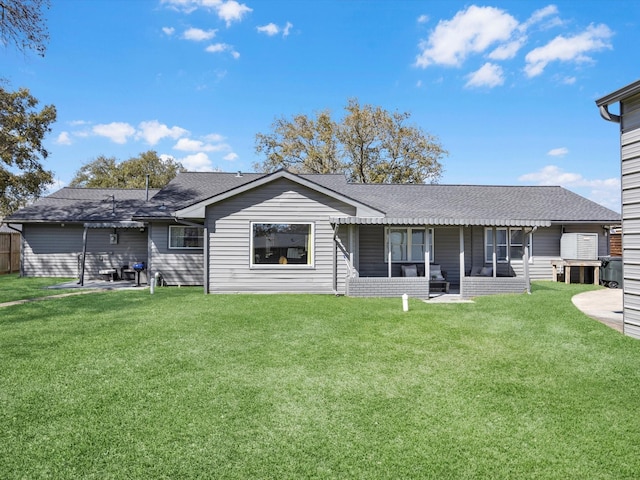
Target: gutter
pixel 608 116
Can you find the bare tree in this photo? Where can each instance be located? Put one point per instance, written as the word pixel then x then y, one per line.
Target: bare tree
pixel 369 145
pixel 22 24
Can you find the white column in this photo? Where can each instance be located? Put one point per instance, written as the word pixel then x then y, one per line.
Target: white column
pixel 462 272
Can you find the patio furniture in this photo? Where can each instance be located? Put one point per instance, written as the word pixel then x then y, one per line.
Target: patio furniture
pixel 437 279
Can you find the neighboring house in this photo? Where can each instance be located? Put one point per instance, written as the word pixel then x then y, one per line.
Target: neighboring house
pixel 629 119
pixel 283 232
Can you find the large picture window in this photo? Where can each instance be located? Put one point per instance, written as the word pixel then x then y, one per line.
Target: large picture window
pixel 186 237
pixel 281 244
pixel 408 244
pixel 509 244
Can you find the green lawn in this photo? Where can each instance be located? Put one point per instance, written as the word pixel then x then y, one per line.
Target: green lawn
pixel 12 287
pixel 182 385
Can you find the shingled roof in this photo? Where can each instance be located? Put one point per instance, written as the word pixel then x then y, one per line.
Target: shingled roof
pixel 78 205
pixel 416 203
pixel 481 204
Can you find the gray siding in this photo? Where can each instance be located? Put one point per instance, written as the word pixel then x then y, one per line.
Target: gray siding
pixel 545 249
pixel 630 153
pixel 51 250
pixel 55 251
pixel 282 201
pixel 177 266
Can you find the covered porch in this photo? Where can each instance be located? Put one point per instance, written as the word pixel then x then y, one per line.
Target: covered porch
pixel 475 257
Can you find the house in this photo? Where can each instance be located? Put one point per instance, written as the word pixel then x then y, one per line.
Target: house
pixel 283 232
pixel 628 98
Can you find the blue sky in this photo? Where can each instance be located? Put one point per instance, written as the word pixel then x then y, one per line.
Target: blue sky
pixel 508 87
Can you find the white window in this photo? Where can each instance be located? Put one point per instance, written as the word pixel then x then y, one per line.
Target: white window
pixel 408 244
pixel 509 244
pixel 183 237
pixel 281 244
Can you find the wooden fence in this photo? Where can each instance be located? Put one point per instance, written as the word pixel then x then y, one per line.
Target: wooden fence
pixel 9 252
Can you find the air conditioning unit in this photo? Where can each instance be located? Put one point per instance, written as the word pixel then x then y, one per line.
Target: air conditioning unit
pixel 579 246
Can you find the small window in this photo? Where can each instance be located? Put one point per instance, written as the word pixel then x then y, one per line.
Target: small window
pixel 281 244
pixel 186 237
pixel 509 244
pixel 408 244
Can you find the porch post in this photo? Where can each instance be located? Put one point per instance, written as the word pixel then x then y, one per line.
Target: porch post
pixel 494 256
pixel 462 273
pixel 389 251
pixel 84 254
pixel 352 248
pixel 427 254
pixel 525 259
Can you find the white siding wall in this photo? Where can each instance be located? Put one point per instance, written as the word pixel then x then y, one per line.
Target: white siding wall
pixel 281 201
pixel 177 266
pixel 630 154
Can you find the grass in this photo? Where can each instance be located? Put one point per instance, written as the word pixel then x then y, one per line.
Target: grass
pixel 182 385
pixel 12 287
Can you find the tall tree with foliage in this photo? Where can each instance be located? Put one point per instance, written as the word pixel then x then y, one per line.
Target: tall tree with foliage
pixel 22 130
pixel 22 24
pixel 107 172
pixel 369 144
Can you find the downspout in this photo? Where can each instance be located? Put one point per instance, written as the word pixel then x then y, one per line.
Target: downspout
pixel 335 259
pixel 608 116
pixel 205 253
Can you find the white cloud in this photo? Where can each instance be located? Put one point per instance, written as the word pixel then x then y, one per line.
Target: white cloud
pixel 558 152
pixel 604 191
pixel 190 145
pixel 64 139
pixel 168 30
pixel 55 186
pixel 117 132
pixel 153 131
pixel 214 137
pixel 489 75
pixel 473 30
pixel 198 35
pixel 423 19
pixel 230 157
pixel 198 162
pixel 232 11
pixel 540 14
pixel 270 29
pixel 508 50
pixel 222 47
pixel 568 49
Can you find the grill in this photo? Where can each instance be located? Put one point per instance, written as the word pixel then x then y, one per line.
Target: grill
pixel 138 267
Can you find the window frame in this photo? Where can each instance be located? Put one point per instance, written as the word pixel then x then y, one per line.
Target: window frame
pixel 509 245
pixel 429 235
pixel 171 236
pixel 310 246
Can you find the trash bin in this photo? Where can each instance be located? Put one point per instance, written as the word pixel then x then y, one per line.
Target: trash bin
pixel 611 272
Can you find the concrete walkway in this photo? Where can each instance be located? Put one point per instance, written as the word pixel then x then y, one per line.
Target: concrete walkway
pixel 603 305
